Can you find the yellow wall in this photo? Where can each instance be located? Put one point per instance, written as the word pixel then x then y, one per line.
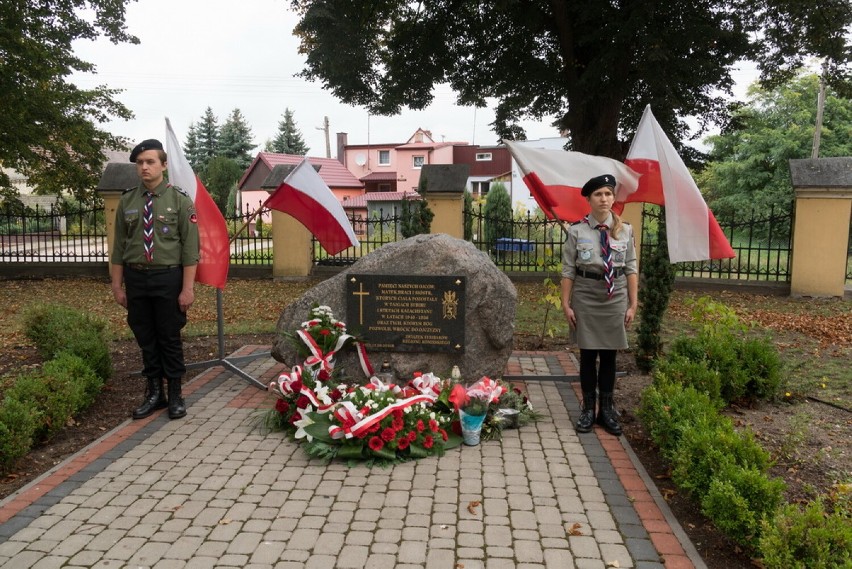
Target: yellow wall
pixel 111 199
pixel 449 215
pixel 291 245
pixel 632 214
pixel 820 239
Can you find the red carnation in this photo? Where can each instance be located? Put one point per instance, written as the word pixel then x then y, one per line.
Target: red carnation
pixel 323 375
pixel 325 332
pixel 443 434
pixel 433 425
pixel 388 434
pixel 397 413
pixel 282 406
pixel 335 395
pixel 296 387
pixel 397 424
pixel 411 436
pixel 428 441
pixel 375 428
pixel 375 443
pixel 402 444
pixel 296 417
pixel 417 373
pixel 302 402
pixel 420 425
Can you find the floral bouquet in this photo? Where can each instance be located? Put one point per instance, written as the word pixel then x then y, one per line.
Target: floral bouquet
pixel 319 338
pixel 472 405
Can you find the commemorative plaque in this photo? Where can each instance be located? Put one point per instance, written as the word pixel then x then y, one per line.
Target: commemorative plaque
pixel 406 313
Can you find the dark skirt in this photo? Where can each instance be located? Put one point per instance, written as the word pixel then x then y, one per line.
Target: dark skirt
pixel 600 320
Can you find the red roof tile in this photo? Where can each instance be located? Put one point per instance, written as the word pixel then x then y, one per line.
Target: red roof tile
pixel 360 202
pixel 379 177
pixel 333 173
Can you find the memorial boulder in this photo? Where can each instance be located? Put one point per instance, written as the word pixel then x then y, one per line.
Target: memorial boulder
pixel 427 303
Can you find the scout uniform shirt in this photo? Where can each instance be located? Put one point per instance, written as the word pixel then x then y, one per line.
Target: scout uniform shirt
pixel 582 249
pixel 175 228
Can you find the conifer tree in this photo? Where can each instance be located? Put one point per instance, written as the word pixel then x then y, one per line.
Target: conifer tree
pixel 190 146
pixel 498 214
pixel 235 140
pixel 288 140
pixel 416 214
pixel 207 133
pixel 658 276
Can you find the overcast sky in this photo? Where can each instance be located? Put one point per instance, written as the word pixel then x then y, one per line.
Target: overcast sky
pixel 198 53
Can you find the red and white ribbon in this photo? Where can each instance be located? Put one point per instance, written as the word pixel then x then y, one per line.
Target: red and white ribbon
pixel 486 389
pixel 380 386
pixel 427 383
pixel 325 361
pixel 360 428
pixel 284 386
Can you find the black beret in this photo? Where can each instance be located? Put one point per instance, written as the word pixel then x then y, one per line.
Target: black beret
pixel 598 182
pixel 150 144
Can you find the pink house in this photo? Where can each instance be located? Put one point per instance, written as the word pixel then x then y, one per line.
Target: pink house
pixel 340 180
pixel 394 167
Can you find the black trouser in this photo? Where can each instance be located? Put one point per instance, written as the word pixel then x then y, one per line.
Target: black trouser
pixel 156 320
pixel 592 376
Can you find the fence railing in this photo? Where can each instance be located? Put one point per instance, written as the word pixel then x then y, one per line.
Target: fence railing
pixel 762 244
pixel 529 244
pixel 372 232
pixel 71 232
pixel 253 244
pixel 63 232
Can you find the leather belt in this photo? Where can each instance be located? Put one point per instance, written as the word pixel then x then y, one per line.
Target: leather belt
pixel 598 276
pixel 143 267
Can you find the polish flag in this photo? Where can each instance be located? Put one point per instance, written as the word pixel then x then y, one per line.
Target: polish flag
pixel 555 178
pixel 305 196
pixel 691 229
pixel 212 232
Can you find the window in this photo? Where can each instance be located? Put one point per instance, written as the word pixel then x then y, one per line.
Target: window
pixel 479 188
pixel 418 161
pixel 384 157
pixel 483 157
pixel 384 187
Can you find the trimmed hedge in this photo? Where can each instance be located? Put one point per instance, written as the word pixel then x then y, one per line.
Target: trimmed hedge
pixel 40 401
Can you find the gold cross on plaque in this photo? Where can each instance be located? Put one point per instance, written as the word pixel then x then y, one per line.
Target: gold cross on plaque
pixel 361 294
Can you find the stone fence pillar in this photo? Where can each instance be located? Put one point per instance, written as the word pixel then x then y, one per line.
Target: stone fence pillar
pixel 445 184
pixel 821 233
pixel 117 177
pixel 291 241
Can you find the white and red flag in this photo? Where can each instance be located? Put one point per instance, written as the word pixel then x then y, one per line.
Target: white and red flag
pixel 555 178
pixel 692 231
pixel 305 196
pixel 212 231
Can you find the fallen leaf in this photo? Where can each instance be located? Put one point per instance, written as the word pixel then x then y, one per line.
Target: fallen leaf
pixel 224 521
pixel 575 529
pixel 613 563
pixel 471 507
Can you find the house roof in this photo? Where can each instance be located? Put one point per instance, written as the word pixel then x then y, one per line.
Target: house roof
pixel 360 202
pixel 333 173
pixel 379 177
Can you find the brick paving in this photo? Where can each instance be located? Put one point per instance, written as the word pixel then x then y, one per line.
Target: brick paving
pixel 212 490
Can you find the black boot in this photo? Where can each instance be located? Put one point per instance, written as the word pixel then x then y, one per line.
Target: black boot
pixel 587 414
pixel 177 409
pixel 608 416
pixel 155 398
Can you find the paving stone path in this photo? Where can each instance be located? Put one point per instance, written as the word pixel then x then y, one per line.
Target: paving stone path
pixel 213 491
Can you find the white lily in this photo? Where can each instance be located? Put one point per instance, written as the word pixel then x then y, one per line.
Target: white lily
pixel 304 422
pixel 322 395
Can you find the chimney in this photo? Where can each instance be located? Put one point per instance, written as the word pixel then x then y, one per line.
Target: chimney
pixel 342 141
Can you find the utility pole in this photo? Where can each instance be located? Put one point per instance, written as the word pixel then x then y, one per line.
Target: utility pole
pixel 820 107
pixel 324 127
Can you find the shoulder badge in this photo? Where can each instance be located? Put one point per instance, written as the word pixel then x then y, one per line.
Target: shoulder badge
pixel 181 191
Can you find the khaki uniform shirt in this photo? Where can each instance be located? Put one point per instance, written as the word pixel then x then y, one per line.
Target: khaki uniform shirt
pixel 582 249
pixel 175 228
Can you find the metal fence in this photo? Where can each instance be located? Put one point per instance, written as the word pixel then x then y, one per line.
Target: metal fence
pixel 762 244
pixel 527 243
pixel 372 232
pixel 251 236
pixel 66 231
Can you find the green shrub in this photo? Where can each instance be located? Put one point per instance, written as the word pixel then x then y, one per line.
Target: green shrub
pixel 668 410
pixel 807 539
pixel 71 372
pixel 690 372
pixel 739 500
pixel 18 423
pixel 704 453
pixel 761 364
pixel 55 328
pixel 55 401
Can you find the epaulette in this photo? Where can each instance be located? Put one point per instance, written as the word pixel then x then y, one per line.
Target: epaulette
pixel 127 190
pixel 180 190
